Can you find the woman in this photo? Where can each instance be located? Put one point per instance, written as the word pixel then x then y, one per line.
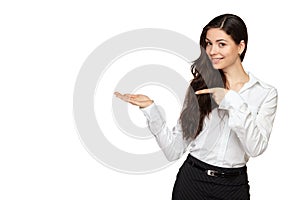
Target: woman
pixel 227 117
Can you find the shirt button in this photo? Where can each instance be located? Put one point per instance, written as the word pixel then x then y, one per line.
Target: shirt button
pixel 244 108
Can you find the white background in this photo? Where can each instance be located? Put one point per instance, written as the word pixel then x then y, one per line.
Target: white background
pixel 42 48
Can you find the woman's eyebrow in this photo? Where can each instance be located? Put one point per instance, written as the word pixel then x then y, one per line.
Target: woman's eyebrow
pixel 219 40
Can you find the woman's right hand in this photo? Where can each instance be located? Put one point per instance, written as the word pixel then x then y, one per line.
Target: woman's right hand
pixel 135 99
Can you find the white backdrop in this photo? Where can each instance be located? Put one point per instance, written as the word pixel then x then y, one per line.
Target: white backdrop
pixel 43 46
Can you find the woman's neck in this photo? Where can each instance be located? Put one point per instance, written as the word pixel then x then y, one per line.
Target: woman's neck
pixel 236 77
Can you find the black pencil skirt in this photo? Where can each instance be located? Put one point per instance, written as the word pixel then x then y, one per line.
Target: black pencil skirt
pixel 197 180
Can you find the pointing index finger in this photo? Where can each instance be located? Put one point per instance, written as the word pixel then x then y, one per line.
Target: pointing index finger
pixel 204 91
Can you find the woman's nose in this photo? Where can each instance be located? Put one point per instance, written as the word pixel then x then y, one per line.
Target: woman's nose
pixel 213 50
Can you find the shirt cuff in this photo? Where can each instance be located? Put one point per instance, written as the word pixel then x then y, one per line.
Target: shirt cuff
pixel 155 120
pixel 147 110
pixel 233 100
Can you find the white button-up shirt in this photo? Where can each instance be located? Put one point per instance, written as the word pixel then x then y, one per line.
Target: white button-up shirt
pixel 238 129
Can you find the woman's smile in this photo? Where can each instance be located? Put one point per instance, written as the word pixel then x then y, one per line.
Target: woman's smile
pixel 216 61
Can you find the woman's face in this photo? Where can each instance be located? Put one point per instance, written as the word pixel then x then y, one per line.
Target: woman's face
pixel 222 50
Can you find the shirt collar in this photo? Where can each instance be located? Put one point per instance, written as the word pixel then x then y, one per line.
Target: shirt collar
pixel 252 81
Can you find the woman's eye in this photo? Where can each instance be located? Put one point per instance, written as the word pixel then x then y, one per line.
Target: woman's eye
pixel 208 43
pixel 222 44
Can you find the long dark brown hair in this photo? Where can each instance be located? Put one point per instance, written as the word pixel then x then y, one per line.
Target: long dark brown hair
pixel 197 107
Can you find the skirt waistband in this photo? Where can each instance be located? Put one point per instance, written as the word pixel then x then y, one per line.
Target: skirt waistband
pixel 212 170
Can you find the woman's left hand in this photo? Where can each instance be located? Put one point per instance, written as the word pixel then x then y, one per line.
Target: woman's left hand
pixel 135 99
pixel 218 94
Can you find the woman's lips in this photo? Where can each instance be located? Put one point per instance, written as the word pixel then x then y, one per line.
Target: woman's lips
pixel 216 60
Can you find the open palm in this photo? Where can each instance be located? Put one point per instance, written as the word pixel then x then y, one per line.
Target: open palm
pixel 135 99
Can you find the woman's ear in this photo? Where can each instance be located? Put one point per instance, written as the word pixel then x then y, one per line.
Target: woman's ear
pixel 242 46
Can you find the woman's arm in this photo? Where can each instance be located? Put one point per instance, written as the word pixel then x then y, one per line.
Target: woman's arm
pixel 170 141
pixel 252 130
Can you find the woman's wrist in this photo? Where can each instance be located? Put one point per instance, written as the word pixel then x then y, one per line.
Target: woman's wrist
pixel 146 104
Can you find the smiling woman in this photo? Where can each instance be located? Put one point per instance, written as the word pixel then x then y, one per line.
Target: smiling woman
pixel 227 117
pixel 224 52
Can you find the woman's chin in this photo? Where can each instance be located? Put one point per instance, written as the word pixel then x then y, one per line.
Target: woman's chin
pixel 215 66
